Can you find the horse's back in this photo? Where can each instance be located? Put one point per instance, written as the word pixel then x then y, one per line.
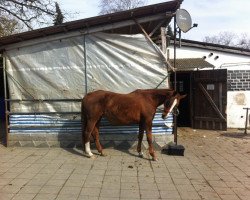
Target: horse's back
pixel 107 98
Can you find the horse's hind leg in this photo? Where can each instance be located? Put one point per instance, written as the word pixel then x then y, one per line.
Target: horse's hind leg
pixel 88 130
pixel 140 138
pixel 95 134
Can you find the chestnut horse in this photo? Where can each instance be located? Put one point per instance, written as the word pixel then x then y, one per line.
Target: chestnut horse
pixel 137 107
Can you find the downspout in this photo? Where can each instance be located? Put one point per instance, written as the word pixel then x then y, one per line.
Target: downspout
pixel 85 64
pixel 6 102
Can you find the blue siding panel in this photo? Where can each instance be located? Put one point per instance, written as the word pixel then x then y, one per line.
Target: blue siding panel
pixel 54 124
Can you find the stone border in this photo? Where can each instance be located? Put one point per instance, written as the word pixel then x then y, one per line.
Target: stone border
pixel 67 140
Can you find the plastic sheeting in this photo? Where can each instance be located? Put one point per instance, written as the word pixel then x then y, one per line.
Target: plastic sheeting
pixel 60 70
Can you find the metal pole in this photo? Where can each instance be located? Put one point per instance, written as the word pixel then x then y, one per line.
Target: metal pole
pixel 179 38
pixel 85 65
pixel 175 117
pixel 6 102
pixel 245 132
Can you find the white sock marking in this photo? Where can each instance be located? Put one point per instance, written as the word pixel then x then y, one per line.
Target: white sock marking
pixel 141 154
pixel 87 149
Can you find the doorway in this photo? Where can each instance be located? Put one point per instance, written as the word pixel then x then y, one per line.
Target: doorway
pixel 206 101
pixel 183 84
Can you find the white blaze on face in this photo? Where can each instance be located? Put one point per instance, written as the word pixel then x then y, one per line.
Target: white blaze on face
pixel 172 107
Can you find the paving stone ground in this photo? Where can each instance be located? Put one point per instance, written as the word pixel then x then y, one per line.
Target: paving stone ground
pixel 216 165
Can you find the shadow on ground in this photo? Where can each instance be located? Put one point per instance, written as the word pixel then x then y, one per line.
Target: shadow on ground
pixel 236 135
pixel 78 150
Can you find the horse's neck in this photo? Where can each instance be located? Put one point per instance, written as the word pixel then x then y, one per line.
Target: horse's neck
pixel 160 95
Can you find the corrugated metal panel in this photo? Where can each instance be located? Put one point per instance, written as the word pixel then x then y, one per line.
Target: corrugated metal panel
pixel 183 64
pixel 57 124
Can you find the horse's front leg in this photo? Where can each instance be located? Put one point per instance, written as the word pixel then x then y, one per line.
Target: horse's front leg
pixel 140 138
pixel 150 141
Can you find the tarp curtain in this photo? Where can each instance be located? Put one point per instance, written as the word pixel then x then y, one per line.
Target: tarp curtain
pixel 58 70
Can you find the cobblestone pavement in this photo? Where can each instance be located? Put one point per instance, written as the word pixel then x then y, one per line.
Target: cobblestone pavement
pixel 216 165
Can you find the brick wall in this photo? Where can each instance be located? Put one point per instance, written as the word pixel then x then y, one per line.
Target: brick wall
pixel 238 80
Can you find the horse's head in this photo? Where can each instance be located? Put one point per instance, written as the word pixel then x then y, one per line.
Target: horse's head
pixel 171 103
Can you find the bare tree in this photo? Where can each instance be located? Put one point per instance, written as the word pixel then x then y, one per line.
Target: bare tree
pixel 243 41
pixel 223 38
pixel 229 39
pixel 28 13
pixel 8 26
pixel 111 6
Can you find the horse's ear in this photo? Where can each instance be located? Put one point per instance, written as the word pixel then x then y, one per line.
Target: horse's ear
pixel 175 93
pixel 182 96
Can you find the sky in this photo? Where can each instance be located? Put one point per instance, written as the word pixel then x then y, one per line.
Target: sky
pixel 212 16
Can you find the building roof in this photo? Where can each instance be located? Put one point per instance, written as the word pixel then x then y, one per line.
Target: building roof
pixel 185 64
pixel 164 12
pixel 213 47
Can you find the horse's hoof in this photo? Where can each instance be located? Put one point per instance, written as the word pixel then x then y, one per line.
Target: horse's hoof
pixel 89 155
pixel 141 155
pixel 155 159
pixel 93 157
pixel 104 154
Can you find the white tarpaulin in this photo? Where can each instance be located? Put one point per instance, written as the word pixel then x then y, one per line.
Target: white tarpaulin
pixel 58 70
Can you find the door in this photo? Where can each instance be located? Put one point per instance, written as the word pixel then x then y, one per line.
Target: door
pixel 183 87
pixel 209 99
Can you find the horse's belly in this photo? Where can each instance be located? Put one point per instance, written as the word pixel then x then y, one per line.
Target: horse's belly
pixel 122 120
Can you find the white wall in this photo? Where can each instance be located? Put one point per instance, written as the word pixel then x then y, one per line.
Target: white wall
pixel 236 115
pixel 230 60
pixel 236 100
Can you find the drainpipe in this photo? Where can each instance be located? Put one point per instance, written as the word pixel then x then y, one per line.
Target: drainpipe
pixel 245 132
pixel 5 101
pixel 85 65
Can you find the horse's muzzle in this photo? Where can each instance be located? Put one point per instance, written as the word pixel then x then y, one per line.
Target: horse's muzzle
pixel 164 115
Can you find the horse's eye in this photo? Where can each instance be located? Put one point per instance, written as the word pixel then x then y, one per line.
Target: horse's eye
pixel 167 103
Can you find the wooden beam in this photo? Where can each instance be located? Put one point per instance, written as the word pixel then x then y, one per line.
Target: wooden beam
pixel 209 98
pixel 158 50
pixel 163 40
pixel 156 27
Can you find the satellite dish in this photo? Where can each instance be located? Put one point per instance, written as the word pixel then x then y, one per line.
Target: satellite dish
pixel 183 20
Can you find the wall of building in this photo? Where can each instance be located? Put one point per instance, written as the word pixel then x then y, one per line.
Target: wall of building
pixel 238 67
pixel 47 81
pixel 238 80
